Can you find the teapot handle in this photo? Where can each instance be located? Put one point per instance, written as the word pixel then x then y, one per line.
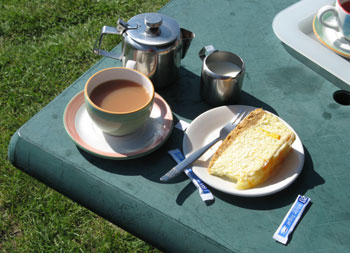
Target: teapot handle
pixel 97 47
pixel 206 50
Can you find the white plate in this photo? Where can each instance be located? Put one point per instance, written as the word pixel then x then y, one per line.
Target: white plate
pixel 206 127
pixel 84 132
pixel 293 26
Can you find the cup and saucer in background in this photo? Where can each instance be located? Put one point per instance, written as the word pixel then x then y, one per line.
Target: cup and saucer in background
pixel 331 25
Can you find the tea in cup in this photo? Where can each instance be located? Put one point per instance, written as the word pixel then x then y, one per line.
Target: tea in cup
pixel 341 15
pixel 119 100
pixel 222 76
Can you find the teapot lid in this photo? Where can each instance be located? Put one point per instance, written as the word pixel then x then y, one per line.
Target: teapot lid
pixel 153 29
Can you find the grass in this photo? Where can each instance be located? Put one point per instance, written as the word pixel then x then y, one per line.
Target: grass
pixel 45 45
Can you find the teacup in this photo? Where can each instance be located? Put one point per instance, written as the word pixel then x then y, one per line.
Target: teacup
pixel 341 14
pixel 119 100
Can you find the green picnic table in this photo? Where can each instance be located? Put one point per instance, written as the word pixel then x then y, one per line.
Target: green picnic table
pixel 171 216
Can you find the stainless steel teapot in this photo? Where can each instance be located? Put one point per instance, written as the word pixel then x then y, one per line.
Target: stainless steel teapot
pixel 154 41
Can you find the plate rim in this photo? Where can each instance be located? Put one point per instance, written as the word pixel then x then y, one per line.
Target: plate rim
pixel 113 156
pixel 246 193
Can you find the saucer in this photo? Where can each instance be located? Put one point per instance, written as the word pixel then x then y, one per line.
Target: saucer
pixel 332 39
pixel 85 133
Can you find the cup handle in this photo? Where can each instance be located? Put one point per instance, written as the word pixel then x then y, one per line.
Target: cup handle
pixel 206 51
pixel 130 64
pixel 328 9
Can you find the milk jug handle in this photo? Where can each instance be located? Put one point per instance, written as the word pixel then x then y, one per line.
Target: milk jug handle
pixel 206 51
pixel 97 47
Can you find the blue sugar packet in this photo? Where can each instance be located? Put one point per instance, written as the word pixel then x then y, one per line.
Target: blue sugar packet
pixel 204 192
pixel 291 219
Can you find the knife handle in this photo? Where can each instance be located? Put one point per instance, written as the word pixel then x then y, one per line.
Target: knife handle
pixel 188 161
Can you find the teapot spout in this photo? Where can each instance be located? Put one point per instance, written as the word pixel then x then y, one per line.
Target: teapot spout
pixel 187 37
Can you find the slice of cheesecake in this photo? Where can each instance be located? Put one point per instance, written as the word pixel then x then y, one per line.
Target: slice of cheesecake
pixel 253 151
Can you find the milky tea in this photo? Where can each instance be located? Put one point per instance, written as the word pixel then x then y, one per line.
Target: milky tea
pixel 120 96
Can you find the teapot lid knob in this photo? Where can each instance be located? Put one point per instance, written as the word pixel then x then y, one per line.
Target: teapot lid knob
pixel 153 21
pixel 153 29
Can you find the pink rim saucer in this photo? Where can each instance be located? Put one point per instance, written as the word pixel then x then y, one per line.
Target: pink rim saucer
pixel 83 131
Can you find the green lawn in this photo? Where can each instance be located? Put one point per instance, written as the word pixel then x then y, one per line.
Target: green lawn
pixel 45 45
